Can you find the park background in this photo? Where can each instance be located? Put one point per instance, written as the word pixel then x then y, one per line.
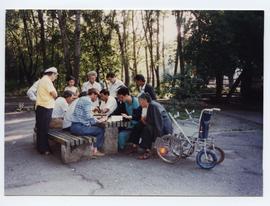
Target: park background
pixel 184 54
pixel 259 6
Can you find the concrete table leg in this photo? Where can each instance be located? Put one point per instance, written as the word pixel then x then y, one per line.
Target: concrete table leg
pixel 69 154
pixel 110 145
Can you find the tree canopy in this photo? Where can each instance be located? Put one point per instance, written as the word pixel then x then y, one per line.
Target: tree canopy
pixel 207 45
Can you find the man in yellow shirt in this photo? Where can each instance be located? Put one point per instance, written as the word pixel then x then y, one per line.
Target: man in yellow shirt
pixel 46 94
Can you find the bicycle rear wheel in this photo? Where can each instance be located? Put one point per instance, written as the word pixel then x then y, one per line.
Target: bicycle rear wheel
pixel 218 152
pixel 168 148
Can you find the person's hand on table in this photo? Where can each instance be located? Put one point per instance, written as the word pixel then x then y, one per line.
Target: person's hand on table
pixel 96 110
pixel 104 111
pixel 126 116
pixel 103 119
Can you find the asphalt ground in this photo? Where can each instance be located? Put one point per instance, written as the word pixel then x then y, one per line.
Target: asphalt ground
pixel 241 174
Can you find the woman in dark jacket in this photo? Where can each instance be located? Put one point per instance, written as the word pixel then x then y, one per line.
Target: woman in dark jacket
pixel 154 123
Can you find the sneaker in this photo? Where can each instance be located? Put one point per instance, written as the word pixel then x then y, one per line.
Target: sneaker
pixel 99 154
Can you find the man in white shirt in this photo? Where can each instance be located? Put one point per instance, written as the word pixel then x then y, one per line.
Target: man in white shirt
pixel 32 91
pixel 61 106
pixel 114 85
pixel 108 103
pixel 91 83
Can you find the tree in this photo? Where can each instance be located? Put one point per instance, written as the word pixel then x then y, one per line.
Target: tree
pixel 122 38
pixel 147 22
pixel 42 38
pixel 134 43
pixel 157 53
pixel 65 42
pixel 77 44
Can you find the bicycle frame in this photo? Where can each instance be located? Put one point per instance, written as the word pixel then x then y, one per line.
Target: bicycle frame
pixel 202 137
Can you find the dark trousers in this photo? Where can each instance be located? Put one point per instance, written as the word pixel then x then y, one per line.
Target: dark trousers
pixel 146 132
pixel 43 118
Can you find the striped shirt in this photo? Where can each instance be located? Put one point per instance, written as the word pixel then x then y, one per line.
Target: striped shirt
pixel 82 113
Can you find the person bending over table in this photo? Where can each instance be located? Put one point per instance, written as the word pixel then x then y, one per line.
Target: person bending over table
pixel 84 123
pixel 108 103
pixel 60 108
pixel 155 122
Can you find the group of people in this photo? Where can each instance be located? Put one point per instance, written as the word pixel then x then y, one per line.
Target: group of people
pixel 74 111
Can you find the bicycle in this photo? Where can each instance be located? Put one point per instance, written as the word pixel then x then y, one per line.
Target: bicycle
pixel 173 147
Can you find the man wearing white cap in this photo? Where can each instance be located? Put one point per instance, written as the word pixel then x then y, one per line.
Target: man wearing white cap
pixel 46 94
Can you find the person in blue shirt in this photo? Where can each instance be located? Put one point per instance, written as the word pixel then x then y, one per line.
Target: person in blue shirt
pixel 131 105
pixel 83 122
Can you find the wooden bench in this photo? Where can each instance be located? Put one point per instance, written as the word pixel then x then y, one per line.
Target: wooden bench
pixel 73 147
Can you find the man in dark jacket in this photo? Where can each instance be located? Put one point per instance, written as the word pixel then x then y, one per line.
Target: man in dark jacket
pixel 144 87
pixel 154 123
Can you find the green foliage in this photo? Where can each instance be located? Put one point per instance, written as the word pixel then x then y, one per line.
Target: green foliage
pixel 181 87
pixel 215 43
pixel 222 41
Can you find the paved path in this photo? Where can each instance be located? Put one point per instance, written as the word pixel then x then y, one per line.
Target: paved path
pixel 28 173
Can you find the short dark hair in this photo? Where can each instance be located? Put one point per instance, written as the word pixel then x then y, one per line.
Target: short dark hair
pixel 146 96
pixel 123 91
pixel 71 78
pixel 82 94
pixel 110 75
pixel 92 91
pixel 139 77
pixel 67 94
pixel 105 92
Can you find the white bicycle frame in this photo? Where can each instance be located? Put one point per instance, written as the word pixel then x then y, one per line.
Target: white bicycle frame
pixel 197 124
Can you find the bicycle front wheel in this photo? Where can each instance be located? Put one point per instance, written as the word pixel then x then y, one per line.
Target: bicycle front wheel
pixel 206 159
pixel 167 149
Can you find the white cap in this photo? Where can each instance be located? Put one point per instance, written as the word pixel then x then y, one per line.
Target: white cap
pixel 51 69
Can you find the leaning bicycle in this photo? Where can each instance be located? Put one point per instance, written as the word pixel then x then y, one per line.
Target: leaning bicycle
pixel 173 147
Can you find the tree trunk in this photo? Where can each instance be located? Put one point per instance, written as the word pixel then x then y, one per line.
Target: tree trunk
pixel 125 39
pixel 181 57
pixel 149 28
pixel 77 45
pixel 62 25
pixel 163 44
pixel 29 46
pixel 42 38
pixel 219 84
pixel 134 44
pixel 36 51
pixel 157 55
pixel 53 16
pixel 179 52
pixel 230 78
pixel 146 64
pixel 246 82
pixel 235 85
pixel 123 58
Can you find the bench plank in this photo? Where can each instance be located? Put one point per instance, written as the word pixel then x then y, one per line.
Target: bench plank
pixel 59 139
pixel 59 135
pixel 71 137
